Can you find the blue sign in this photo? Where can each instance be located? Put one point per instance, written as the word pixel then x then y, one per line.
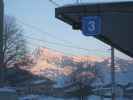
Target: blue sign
pixel 91 25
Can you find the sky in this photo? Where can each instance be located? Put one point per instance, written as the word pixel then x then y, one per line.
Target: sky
pixel 37 18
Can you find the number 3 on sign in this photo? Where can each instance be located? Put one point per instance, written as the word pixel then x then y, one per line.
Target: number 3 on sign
pixel 91 26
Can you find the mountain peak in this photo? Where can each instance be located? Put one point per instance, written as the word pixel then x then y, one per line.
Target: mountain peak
pixel 54 62
pixel 46 53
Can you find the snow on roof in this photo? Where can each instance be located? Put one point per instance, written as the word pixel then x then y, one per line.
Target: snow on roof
pixel 29 97
pixel 39 81
pixel 7 89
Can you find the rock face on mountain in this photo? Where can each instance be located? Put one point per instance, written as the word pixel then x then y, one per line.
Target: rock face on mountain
pixel 53 64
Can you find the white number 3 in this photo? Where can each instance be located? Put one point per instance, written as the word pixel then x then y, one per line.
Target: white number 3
pixel 91 26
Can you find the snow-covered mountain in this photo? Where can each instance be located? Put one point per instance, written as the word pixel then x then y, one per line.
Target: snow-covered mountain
pixel 53 64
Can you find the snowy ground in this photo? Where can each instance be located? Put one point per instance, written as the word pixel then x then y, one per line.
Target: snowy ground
pixel 37 97
pixel 7 89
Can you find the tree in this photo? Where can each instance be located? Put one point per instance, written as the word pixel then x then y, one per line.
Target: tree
pixel 14 42
pixel 14 47
pixel 85 74
pixel 82 79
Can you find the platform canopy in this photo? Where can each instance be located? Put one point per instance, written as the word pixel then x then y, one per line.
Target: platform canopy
pixel 116 27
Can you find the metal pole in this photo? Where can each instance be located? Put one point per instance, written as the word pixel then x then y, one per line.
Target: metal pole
pixel 113 73
pixel 1 41
pixel 77 1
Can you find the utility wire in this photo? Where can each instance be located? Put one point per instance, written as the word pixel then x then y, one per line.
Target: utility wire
pixel 64 45
pixel 54 37
pixel 41 31
pixel 44 46
pixel 54 3
pixel 33 44
pixel 77 1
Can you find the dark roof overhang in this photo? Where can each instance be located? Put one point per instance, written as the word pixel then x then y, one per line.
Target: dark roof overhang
pixel 117 21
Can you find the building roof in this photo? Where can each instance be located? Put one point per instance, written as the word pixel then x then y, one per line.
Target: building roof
pixel 117 21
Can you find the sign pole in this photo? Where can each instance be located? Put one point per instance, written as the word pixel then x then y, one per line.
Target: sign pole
pixel 113 73
pixel 78 1
pixel 1 42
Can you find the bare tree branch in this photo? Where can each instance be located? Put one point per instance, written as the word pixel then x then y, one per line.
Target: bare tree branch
pixel 14 43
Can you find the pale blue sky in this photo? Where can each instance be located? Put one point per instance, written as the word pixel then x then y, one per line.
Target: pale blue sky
pixel 40 13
